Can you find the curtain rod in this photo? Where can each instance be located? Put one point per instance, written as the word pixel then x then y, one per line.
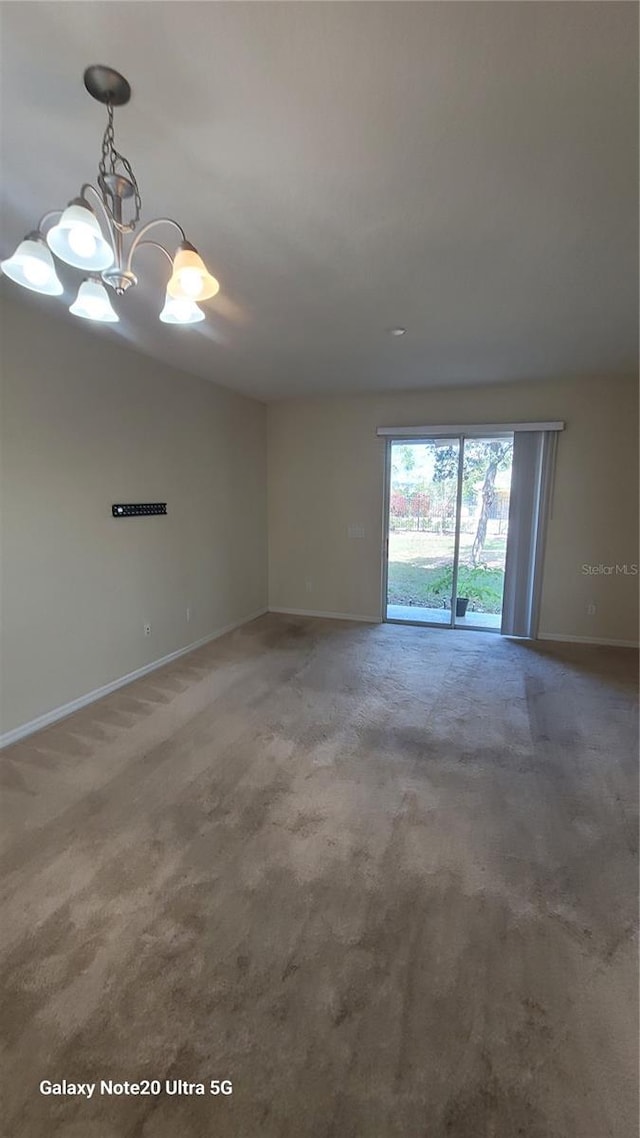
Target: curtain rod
pixel 467 429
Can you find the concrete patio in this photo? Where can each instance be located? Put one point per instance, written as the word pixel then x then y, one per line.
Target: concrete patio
pixel 488 621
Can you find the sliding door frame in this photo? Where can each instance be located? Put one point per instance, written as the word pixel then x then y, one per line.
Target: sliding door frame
pixel 389 441
pixel 386 509
pixel 461 437
pixel 456 538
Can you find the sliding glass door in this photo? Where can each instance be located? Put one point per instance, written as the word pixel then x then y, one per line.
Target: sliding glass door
pixel 448 518
pixel 484 526
pixel 422 530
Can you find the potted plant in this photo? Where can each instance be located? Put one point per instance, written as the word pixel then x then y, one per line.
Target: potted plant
pixel 474 584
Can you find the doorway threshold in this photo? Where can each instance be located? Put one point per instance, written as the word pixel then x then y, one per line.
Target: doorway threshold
pixel 415 614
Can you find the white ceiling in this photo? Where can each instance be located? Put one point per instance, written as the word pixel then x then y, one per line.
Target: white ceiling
pixel 467 170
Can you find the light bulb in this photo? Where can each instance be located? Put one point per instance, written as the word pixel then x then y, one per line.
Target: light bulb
pixel 191 281
pixel 31 266
pixel 36 272
pixel 92 303
pixel 77 239
pixel 82 241
pixel 182 309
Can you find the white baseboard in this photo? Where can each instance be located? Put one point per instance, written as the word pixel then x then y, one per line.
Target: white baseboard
pixel 328 615
pixel 49 717
pixel 559 636
pixel 588 640
pixel 375 620
pixel 66 709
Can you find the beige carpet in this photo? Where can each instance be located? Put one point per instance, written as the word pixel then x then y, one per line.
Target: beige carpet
pixel 381 878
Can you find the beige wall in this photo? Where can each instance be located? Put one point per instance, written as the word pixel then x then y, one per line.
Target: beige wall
pixel 87 423
pixel 326 470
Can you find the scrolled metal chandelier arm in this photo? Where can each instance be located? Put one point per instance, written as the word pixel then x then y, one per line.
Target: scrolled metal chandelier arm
pixel 137 241
pixel 46 217
pixel 157 245
pixel 103 206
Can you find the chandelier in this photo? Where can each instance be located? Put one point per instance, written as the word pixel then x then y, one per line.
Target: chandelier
pixel 100 251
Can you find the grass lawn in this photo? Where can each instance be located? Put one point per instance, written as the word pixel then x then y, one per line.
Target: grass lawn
pixel 417 560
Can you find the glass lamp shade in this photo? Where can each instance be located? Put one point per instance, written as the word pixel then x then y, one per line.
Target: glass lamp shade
pixel 32 267
pixel 92 303
pixel 77 239
pixel 190 279
pixel 179 311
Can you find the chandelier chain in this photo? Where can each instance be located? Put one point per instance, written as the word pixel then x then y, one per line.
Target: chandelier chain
pixel 109 159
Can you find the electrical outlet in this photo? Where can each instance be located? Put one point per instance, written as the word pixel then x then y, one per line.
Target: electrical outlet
pixel 591 609
pixel 147 629
pixel 188 613
pixel 308 585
